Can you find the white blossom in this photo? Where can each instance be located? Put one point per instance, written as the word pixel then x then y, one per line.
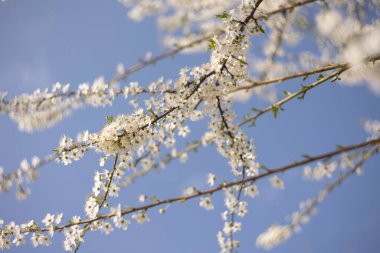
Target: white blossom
pixel 206 203
pixel 140 217
pixel 274 235
pixel 276 182
pixel 211 179
pixel 142 198
pixel 251 191
pixel 106 227
pixel 91 207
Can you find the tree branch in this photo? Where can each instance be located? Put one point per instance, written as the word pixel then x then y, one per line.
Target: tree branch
pixel 281 169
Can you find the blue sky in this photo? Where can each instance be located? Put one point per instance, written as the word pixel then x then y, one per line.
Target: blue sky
pixel 43 42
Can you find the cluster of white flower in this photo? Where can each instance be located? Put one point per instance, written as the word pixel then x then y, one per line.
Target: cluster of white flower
pixel 106 184
pixel 235 206
pixel 25 173
pixel 277 234
pixel 274 235
pixel 372 127
pixel 124 134
pixel 340 28
pixel 69 149
pixel 13 234
pixel 72 235
pixel 228 58
pixel 188 19
pixel 320 171
pixel 119 221
pixel 326 169
pixel 42 109
pixel 350 34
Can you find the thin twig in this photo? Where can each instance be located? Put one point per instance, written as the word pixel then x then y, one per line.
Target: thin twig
pixel 104 199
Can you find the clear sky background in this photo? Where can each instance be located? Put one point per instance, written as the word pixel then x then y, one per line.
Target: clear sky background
pixel 45 41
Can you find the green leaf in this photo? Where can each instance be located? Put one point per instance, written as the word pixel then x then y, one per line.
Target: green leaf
pixel 223 15
pixel 320 77
pixel 305 77
pixel 275 110
pixel 303 90
pixel 263 166
pixel 287 93
pixel 302 96
pixel 152 112
pixel 211 45
pixel 109 119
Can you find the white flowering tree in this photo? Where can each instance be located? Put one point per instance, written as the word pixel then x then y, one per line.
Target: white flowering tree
pixel 345 36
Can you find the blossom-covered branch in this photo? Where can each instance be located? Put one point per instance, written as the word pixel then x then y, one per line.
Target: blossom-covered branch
pixel 308 73
pixel 17 231
pixel 45 108
pixel 277 234
pixel 300 94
